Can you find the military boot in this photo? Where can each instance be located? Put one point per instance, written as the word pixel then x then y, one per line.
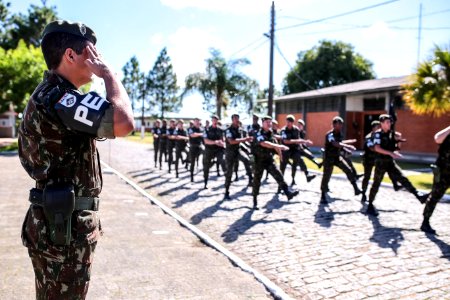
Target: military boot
pixel 426 227
pixel 255 203
pixel 422 197
pixel 310 177
pixel 192 177
pixel 250 180
pixel 236 178
pixel 206 184
pixel 356 189
pixel 363 198
pixel 290 194
pixel 227 195
pixel 371 210
pixel 323 198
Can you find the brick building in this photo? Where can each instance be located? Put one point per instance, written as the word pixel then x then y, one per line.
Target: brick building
pixel 358 104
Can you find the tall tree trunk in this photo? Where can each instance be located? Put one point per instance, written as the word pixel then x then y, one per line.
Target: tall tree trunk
pixel 219 106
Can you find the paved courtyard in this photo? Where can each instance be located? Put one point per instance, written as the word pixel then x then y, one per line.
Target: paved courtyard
pixel 307 248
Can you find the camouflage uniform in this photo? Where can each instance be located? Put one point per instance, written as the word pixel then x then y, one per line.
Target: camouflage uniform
pixel 368 160
pixel 333 158
pixel 162 145
pixel 441 180
pixel 156 130
pixel 170 146
pixel 264 161
pixel 52 150
pixel 385 163
pixel 180 147
pixel 195 148
pixel 233 155
pixel 212 151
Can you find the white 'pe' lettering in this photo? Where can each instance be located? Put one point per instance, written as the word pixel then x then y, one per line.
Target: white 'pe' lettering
pixel 94 103
pixel 81 115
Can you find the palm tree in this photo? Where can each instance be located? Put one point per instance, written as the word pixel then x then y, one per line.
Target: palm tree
pixel 428 90
pixel 222 84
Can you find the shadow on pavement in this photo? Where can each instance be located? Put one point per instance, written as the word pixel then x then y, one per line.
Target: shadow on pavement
pixel 443 246
pixel 245 223
pixel 275 203
pixel 208 212
pixel 386 237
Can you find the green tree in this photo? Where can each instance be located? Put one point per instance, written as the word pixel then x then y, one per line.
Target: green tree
pixel 223 84
pixel 162 86
pixel 330 63
pixel 428 90
pixel 132 80
pixel 27 27
pixel 21 70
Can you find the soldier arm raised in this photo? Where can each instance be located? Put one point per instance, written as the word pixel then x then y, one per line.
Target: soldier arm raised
pixel 441 135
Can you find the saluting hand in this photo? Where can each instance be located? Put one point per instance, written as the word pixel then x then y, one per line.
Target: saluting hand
pixel 95 62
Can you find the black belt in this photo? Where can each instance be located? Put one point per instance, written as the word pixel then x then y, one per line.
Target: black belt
pixel 81 203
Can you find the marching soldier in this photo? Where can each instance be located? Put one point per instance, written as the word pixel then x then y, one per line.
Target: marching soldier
pixel 385 141
pixel 333 145
pixel 265 146
pixel 441 180
pixel 195 144
pixel 163 143
pixel 171 142
pixel 368 158
pixel 290 136
pixel 214 148
pixel 234 137
pixel 156 131
pixel 181 140
pixel 304 150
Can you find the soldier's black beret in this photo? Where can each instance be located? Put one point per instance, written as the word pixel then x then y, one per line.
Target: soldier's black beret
pixel 76 28
pixel 266 118
pixel 338 119
pixel 384 117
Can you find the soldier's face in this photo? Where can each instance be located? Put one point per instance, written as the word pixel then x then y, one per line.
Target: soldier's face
pixel 337 126
pixel 300 126
pixel 267 124
pixel 197 123
pixel 375 128
pixel 290 123
pixel 214 122
pixel 235 121
pixel 386 125
pixel 180 126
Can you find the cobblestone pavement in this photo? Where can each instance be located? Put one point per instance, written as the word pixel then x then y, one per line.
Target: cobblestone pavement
pixel 308 249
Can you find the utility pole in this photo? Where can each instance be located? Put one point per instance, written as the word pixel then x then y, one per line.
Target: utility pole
pixel 272 40
pixel 420 34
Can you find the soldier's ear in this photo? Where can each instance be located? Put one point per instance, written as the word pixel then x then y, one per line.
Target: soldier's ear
pixel 69 56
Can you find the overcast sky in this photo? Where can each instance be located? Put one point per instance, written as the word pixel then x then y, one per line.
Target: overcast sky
pixel 387 34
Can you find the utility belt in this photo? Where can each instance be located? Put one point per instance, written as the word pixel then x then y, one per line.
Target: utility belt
pixel 59 202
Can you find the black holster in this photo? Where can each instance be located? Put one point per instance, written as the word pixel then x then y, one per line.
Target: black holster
pixel 59 204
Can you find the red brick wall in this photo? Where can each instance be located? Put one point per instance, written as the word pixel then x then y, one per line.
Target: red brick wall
pixel 419 131
pixel 281 118
pixel 317 124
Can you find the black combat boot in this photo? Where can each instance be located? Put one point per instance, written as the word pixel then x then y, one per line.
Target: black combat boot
pixel 290 194
pixel 371 210
pixel 250 180
pixel 356 189
pixel 255 203
pixel 363 198
pixel 227 195
pixel 176 175
pixel 192 177
pixel 426 227
pixel 236 178
pixel 310 177
pixel 323 198
pixel 422 197
pixel 206 184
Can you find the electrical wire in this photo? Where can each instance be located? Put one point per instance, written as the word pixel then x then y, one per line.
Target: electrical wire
pixel 251 44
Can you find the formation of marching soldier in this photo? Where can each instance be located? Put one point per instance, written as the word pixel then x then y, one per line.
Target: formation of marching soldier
pixel 256 146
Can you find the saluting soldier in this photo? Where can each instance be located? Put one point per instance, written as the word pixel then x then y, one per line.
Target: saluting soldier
pixel 290 136
pixel 156 131
pixel 264 150
pixel 441 179
pixel 385 141
pixel 214 148
pixel 234 137
pixel 171 142
pixel 195 144
pixel 57 148
pixel 334 143
pixel 163 143
pixel 181 140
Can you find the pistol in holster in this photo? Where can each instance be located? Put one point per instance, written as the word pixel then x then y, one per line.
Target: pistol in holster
pixel 58 205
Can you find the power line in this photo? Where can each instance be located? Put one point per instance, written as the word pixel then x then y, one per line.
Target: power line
pixel 339 15
pixel 255 48
pixel 249 45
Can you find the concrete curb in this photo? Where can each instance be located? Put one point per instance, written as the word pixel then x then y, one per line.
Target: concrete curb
pixel 276 291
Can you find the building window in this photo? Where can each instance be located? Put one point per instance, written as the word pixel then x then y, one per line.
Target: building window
pixel 323 104
pixel 374 103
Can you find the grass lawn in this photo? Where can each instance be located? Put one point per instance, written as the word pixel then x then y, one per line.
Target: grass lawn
pixel 11 147
pixel 148 138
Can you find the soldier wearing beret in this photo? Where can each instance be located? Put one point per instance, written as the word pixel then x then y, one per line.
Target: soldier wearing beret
pixel 57 147
pixel 265 147
pixel 163 143
pixel 234 137
pixel 290 136
pixel 441 179
pixel 195 134
pixel 156 132
pixel 385 143
pixel 214 148
pixel 334 143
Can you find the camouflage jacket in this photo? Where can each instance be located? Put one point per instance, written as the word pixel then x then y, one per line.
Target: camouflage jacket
pixel 53 146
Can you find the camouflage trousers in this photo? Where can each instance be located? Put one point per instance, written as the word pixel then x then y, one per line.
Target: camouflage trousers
pixel 162 150
pixel 341 163
pixel 232 158
pixel 208 156
pixel 269 165
pixel 441 182
pixel 390 166
pixel 287 155
pixel 61 272
pixel 156 150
